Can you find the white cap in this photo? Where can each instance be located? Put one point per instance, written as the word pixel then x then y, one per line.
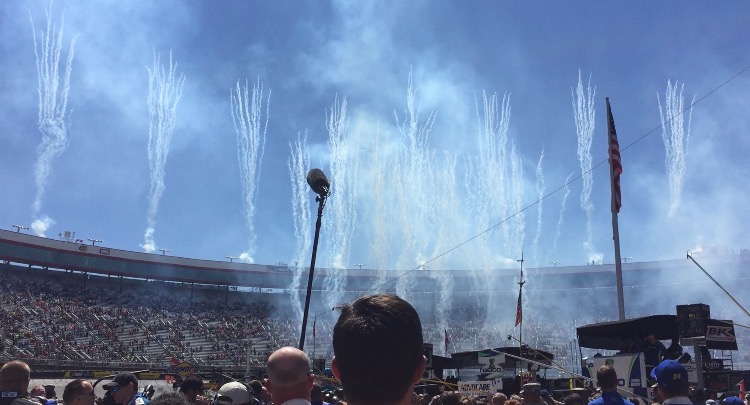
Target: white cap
pixel 236 391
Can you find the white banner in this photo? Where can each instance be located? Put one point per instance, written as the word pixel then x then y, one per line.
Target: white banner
pixel 479 388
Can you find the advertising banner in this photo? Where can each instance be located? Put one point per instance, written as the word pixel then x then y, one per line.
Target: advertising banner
pixel 479 388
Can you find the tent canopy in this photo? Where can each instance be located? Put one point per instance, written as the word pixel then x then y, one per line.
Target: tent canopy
pixel 611 335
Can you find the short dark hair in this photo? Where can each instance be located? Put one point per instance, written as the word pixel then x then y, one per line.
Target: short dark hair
pixel 170 398
pixel 72 390
pixel 377 338
pixel 606 378
pixel 574 399
pixel 192 382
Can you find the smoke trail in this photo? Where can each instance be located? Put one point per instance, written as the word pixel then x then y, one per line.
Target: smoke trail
pixel 251 140
pixel 562 212
pixel 381 210
pixel 53 105
pixel 447 233
pixel 164 92
pixel 585 114
pixel 516 193
pixel 413 167
pixel 540 192
pixel 675 141
pixel 299 162
pixel 344 168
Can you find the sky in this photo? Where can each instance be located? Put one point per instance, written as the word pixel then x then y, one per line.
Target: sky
pixel 431 187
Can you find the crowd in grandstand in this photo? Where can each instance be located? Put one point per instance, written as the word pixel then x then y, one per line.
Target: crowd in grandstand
pixel 55 317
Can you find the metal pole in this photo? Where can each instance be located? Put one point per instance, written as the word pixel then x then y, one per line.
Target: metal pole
pixel 322 202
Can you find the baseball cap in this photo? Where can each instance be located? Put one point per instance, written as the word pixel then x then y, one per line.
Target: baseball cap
pixel 531 388
pixel 732 401
pixel 670 374
pixel 233 393
pixel 122 380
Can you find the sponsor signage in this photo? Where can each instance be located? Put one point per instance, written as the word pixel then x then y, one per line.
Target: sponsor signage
pixel 184 369
pixel 720 335
pixel 490 364
pixel 479 388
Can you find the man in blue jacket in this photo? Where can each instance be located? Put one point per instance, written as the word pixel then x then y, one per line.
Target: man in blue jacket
pixel 606 378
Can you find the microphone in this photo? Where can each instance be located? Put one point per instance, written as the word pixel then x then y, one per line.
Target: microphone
pixel 318 182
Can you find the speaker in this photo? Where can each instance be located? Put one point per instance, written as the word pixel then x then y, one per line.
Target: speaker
pixel 692 320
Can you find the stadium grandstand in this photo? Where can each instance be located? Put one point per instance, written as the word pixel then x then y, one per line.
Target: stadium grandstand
pixel 71 306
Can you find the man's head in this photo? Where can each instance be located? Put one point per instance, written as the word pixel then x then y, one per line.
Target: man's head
pixel 499 399
pixel 574 399
pixel 38 391
pixel 123 387
pixel 191 387
pixel 79 392
pixel 671 380
pixel 606 378
pixel 15 376
pixel 531 393
pixel 378 338
pixel 170 398
pixel 289 375
pixel 234 393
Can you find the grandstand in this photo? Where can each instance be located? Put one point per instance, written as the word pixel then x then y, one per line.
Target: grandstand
pixel 70 306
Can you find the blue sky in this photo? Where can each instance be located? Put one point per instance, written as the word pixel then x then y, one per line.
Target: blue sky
pixel 308 54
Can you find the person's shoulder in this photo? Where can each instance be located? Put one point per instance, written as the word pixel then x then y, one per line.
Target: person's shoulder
pixel 141 400
pixel 597 401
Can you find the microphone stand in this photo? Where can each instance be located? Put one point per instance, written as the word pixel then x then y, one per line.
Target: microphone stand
pixel 321 199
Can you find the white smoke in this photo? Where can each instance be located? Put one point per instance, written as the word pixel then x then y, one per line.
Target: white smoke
pixel 675 141
pixel 246 110
pixel 584 113
pixel 53 106
pixel 299 162
pixel 562 213
pixel 41 225
pixel 340 228
pixel 164 92
pixel 540 193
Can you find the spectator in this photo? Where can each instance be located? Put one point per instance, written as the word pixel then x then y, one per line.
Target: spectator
pixel 500 398
pixel 378 338
pixel 574 399
pixel 192 387
pixel 532 394
pixel 606 379
pixel 170 398
pixel 124 389
pixel 671 386
pixel 316 395
pixel 79 392
pixel 234 393
pixel 14 383
pixel 289 378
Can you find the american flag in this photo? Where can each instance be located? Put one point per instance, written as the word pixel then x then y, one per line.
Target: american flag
pixel 519 310
pixel 614 159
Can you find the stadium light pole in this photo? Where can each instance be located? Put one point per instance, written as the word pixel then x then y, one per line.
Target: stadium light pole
pixel 625 259
pixel 165 251
pixel 231 258
pixel 554 264
pixel 20 227
pixel 94 241
pixel 359 265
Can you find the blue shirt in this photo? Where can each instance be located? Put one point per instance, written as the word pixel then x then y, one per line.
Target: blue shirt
pixel 138 399
pixel 610 398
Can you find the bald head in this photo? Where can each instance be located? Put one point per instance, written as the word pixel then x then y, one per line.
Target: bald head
pixel 289 375
pixel 15 376
pixel 288 366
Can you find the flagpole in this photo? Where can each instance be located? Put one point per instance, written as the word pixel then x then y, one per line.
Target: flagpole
pixel 519 310
pixel 615 164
